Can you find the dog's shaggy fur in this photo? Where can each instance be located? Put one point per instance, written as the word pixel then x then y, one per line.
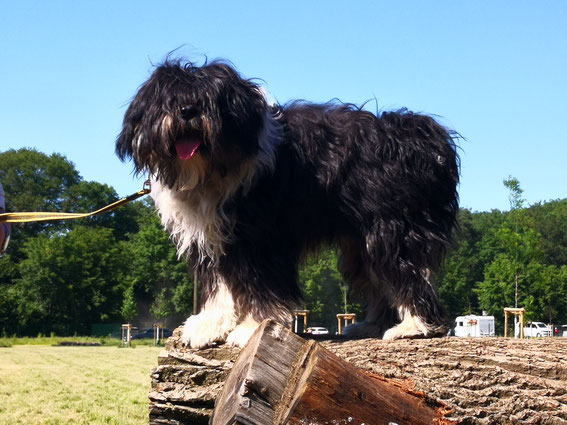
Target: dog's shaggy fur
pixel 247 189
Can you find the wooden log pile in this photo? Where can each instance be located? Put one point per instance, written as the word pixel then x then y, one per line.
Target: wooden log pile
pixel 186 382
pixel 483 381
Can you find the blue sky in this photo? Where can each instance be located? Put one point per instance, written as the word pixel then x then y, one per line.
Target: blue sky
pixel 493 71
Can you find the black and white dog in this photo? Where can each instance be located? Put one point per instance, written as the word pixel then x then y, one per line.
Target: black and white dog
pixel 247 189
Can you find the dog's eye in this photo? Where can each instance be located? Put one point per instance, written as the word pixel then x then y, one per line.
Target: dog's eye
pixel 189 112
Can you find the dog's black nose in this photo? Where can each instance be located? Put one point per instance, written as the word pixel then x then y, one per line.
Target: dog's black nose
pixel 189 112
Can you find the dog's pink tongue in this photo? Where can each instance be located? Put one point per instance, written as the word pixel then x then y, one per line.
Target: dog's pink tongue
pixel 186 148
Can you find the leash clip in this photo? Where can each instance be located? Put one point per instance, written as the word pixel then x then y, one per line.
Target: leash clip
pixel 147 186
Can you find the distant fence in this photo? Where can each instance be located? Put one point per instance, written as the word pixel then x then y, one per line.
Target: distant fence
pixel 105 329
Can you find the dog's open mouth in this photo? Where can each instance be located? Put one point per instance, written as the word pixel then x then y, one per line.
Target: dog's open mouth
pixel 186 147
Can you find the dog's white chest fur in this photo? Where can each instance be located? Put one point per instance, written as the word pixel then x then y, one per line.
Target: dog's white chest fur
pixel 192 212
pixel 191 218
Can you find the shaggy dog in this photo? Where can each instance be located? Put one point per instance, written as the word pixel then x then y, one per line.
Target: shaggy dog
pixel 248 189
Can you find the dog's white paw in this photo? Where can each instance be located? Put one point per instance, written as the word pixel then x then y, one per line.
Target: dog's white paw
pixel 207 327
pixel 410 327
pixel 242 333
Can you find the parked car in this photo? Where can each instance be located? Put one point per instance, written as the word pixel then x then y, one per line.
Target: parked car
pixel 317 330
pixel 536 330
pixel 149 333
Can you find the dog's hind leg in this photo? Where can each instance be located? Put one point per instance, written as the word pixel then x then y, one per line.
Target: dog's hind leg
pixel 356 272
pixel 419 309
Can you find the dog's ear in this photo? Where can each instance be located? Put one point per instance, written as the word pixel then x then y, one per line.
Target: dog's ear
pixel 132 120
pixel 244 111
pixel 142 104
pixel 124 140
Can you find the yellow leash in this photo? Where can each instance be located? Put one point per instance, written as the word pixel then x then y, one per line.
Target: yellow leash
pixel 28 217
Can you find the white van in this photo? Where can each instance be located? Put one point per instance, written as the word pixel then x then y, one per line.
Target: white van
pixel 474 326
pixel 536 330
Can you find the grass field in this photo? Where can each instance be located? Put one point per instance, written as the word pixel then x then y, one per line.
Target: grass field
pixel 42 384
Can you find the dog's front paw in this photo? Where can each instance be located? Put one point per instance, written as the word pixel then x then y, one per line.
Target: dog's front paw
pixel 242 333
pixel 207 327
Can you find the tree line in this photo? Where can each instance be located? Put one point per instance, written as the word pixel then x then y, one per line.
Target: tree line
pixel 66 276
pixel 516 258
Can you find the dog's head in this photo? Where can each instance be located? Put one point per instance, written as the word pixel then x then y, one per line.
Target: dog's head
pixel 188 123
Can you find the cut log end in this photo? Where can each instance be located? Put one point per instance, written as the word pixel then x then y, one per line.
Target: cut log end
pixel 280 378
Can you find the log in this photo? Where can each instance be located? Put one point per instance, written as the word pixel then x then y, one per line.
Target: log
pixel 256 383
pixel 186 382
pixel 485 381
pixel 280 378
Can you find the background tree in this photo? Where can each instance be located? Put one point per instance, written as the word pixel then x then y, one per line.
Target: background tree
pixel 183 296
pixel 85 197
pixel 324 291
pixel 516 202
pixel 549 290
pixel 34 181
pixel 462 269
pixel 70 281
pixel 512 277
pixel 548 219
pixel 162 307
pixel 155 272
pixel 129 306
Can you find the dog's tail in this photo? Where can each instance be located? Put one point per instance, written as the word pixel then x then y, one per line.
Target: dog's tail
pixel 421 133
pixel 426 151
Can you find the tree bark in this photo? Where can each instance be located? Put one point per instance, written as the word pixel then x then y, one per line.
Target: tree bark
pixel 186 382
pixel 483 381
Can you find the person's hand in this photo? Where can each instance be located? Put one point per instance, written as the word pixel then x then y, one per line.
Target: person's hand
pixel 4 235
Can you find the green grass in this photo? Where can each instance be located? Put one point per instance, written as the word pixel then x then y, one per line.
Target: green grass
pixel 42 384
pixel 54 340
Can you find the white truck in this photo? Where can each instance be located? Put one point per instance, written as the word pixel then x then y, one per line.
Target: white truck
pixel 474 326
pixel 536 330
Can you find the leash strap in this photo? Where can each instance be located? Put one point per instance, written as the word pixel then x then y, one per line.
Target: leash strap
pixel 28 217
